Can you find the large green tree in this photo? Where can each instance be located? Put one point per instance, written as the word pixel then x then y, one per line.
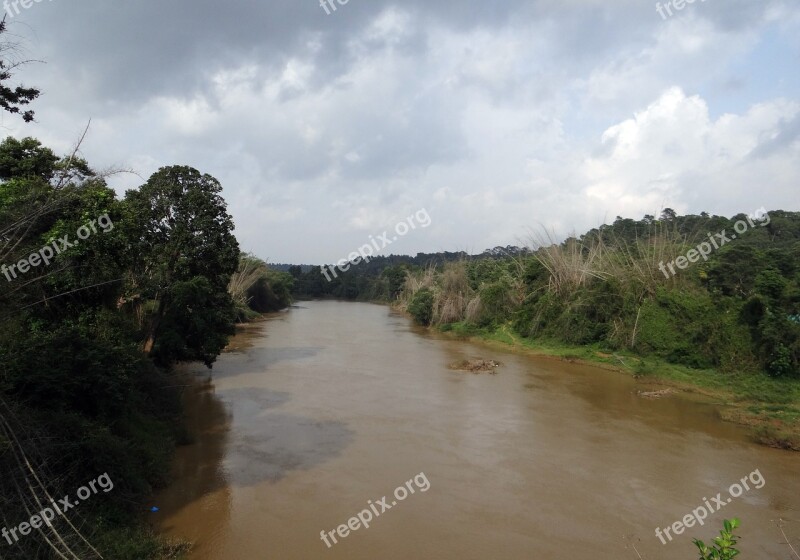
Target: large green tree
pixel 184 253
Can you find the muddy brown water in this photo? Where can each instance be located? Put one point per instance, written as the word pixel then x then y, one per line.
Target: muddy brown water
pixel 314 412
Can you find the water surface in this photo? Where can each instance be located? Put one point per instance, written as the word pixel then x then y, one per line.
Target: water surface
pixel 314 412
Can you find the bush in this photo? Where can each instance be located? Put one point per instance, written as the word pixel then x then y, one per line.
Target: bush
pixel 724 546
pixel 421 307
pixel 496 301
pixel 778 343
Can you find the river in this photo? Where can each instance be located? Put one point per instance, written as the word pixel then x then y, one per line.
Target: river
pixel 314 412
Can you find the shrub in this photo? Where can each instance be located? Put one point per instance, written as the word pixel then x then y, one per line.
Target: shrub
pixel 421 307
pixel 724 545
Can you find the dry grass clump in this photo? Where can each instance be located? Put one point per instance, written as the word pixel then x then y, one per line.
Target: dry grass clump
pixel 608 274
pixel 635 266
pixel 417 282
pixel 571 264
pixel 251 269
pixel 453 298
pixel 474 309
pixel 576 263
pixel 450 302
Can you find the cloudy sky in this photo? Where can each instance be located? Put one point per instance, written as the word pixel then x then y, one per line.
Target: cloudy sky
pixel 496 117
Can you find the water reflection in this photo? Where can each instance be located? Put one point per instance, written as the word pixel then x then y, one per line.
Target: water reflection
pixel 267 444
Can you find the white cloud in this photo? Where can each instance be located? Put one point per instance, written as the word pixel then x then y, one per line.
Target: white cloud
pixel 673 154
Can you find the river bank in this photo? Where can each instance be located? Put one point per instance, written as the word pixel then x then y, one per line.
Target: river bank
pixel 768 408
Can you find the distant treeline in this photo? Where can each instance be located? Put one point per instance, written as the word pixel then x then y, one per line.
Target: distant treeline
pixel 379 279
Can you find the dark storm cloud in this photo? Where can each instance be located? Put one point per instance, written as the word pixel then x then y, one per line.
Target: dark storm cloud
pixel 132 50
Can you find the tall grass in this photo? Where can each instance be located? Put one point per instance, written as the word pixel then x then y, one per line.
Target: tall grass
pixel 251 269
pixel 576 262
pixel 256 289
pixel 598 283
pixel 635 266
pixel 571 264
pixel 453 298
pixel 594 289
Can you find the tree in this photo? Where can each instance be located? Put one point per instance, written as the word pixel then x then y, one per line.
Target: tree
pixel 669 215
pixel 397 277
pixel 183 253
pixel 12 99
pixel 43 198
pixel 25 159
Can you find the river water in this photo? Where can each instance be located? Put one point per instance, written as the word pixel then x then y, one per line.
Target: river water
pixel 315 412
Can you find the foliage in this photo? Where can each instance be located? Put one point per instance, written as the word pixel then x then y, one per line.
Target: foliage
pixel 26 158
pixel 138 543
pixel 196 324
pixel 421 307
pixel 606 287
pixel 382 278
pixel 13 99
pixel 78 397
pixel 184 254
pixel 724 546
pixel 255 288
pixel 76 391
